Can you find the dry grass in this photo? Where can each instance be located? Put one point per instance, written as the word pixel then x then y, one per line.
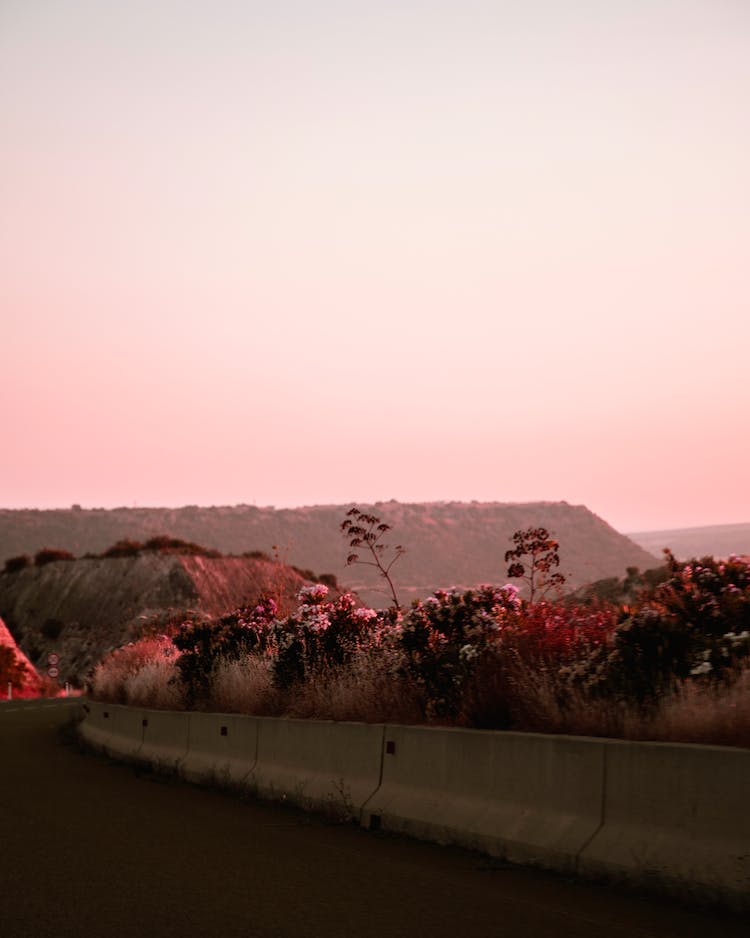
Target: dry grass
pixel 155 686
pixel 518 697
pixel 245 686
pixel 140 674
pixel 368 691
pixel 503 694
pixel 718 716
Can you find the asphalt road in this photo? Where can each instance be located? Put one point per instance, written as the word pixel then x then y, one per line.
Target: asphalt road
pixel 89 847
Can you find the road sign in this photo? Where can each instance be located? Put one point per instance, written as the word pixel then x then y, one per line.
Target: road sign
pixel 53 672
pixel 53 659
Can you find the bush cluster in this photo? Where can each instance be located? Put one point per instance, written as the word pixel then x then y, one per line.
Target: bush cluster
pixel 444 636
pixel 323 635
pixel 695 624
pixel 203 644
pixel 51 555
pixel 14 564
pixel 485 657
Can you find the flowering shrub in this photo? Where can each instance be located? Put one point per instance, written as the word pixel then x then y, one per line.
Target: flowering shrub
pixel 555 634
pixel 204 643
pixel 529 664
pixel 694 625
pixel 322 634
pixel 443 636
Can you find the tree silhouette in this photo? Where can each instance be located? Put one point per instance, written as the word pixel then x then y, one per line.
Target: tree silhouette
pixel 365 531
pixel 542 553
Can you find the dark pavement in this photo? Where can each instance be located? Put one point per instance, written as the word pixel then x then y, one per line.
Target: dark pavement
pixel 89 847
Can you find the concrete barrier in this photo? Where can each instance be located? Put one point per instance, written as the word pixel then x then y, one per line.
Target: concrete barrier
pixel 221 747
pixel 97 724
pixel 114 729
pixel 668 817
pixel 676 818
pixel 525 797
pixel 165 738
pixel 333 767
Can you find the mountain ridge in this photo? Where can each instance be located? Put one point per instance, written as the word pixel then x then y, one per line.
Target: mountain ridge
pixel 447 543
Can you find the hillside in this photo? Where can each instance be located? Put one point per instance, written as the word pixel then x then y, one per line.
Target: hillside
pixel 32 681
pixel 81 609
pixel 448 543
pixel 719 540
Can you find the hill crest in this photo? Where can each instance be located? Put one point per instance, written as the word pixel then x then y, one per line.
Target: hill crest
pixel 448 543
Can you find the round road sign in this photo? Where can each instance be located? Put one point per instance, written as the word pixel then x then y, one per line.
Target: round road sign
pixel 53 659
pixel 53 672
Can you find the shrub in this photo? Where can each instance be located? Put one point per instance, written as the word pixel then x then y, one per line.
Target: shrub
pixel 14 564
pixel 204 643
pixel 630 590
pixel 322 634
pixel 138 673
pixel 523 676
pixel 443 636
pixel 695 625
pixel 165 544
pixel 257 555
pixel 124 548
pixel 51 555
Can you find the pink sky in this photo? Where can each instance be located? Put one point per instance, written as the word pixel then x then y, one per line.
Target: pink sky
pixel 291 253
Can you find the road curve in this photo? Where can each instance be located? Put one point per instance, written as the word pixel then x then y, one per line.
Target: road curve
pixel 90 848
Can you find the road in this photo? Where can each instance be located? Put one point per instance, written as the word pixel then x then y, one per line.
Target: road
pixel 90 847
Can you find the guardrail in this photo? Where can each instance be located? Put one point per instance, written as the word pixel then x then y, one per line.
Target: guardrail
pixel 668 817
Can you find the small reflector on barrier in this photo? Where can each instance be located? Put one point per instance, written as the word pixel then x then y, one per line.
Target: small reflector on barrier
pixel 224 731
pixel 390 747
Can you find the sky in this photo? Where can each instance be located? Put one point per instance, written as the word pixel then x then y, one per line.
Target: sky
pixel 325 252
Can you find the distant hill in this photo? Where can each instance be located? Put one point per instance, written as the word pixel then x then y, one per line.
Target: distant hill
pixel 81 609
pixel 448 543
pixel 719 540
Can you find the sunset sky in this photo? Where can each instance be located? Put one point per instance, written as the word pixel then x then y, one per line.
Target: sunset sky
pixel 329 251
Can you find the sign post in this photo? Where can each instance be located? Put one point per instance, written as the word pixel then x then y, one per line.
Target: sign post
pixel 53 660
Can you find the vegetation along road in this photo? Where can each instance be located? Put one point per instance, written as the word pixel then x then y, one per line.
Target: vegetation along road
pixel 92 848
